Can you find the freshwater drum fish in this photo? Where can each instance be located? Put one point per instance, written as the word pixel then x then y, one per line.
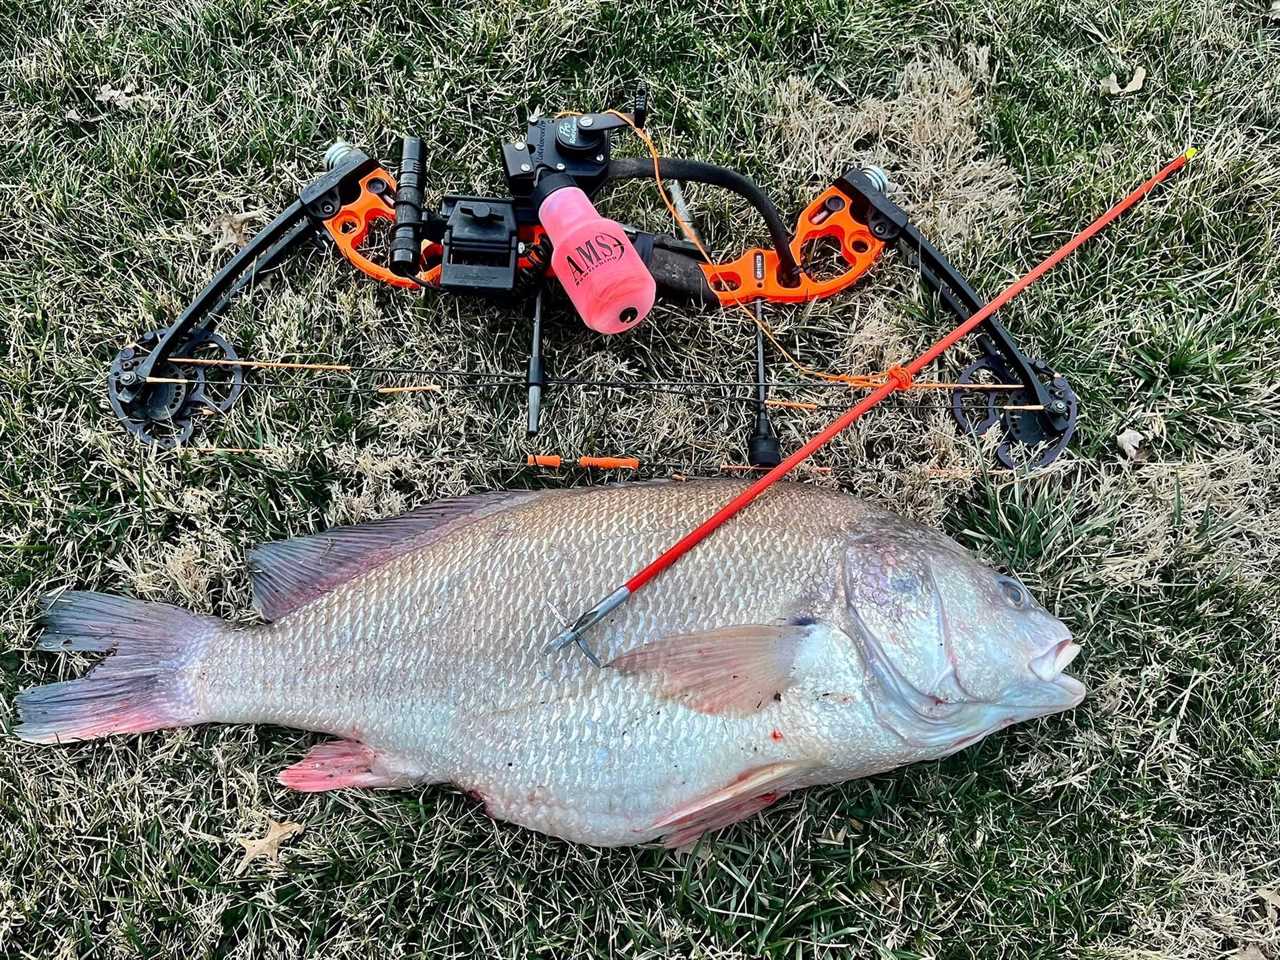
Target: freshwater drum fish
pixel 814 639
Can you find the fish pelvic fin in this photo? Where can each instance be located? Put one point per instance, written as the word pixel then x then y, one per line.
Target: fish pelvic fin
pixel 746 796
pixel 739 669
pixel 337 764
pixel 140 686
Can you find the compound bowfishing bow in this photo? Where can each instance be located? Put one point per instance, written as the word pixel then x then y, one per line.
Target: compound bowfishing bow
pixel 494 246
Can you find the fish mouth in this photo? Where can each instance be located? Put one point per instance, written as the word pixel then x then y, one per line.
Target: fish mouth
pixel 1049 667
pixel 951 720
pixel 1050 664
pixel 1073 689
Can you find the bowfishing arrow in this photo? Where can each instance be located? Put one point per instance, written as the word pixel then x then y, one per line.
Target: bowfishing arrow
pixel 899 378
pixel 160 386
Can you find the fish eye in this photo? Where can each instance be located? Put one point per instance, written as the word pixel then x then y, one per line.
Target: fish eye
pixel 1014 592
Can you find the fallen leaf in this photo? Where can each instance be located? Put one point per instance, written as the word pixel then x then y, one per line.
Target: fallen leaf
pixel 1128 442
pixel 1274 13
pixel 1248 953
pixel 123 98
pixel 1272 899
pixel 268 846
pixel 1111 86
pixel 233 230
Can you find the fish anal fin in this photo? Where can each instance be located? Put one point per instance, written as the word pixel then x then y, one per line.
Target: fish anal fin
pixel 686 836
pixel 338 764
pixel 746 796
pixel 289 574
pixel 738 669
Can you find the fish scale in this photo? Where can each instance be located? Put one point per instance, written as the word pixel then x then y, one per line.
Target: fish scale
pixel 752 669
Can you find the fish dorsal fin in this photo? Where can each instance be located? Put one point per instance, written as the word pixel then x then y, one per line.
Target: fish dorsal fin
pixel 738 669
pixel 289 574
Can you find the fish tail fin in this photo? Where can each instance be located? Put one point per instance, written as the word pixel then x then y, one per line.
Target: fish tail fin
pixel 140 686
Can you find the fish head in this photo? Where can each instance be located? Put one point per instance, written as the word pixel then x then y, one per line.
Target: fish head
pixel 955 649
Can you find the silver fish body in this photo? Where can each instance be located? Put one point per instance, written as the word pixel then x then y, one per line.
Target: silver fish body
pixel 813 639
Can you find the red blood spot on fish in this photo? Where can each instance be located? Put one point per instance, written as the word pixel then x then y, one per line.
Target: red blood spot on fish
pixel 777 734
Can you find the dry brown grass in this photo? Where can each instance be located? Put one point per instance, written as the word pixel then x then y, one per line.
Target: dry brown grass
pixel 1142 825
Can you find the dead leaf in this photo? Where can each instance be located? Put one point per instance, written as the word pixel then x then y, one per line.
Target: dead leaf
pixel 268 846
pixel 1111 86
pixel 1272 899
pixel 124 98
pixel 233 229
pixel 1248 953
pixel 1274 13
pixel 1129 442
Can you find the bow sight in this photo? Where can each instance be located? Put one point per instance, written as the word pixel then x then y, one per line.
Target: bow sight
pixel 496 246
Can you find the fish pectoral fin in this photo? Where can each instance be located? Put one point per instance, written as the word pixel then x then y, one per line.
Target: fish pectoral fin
pixel 739 669
pixel 749 794
pixel 337 764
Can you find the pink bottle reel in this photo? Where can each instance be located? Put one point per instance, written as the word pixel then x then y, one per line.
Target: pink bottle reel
pixel 594 260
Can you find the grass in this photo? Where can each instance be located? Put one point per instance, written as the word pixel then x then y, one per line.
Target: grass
pixel 1142 825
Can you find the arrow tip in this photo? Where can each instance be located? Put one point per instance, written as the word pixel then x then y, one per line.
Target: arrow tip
pixel 573 634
